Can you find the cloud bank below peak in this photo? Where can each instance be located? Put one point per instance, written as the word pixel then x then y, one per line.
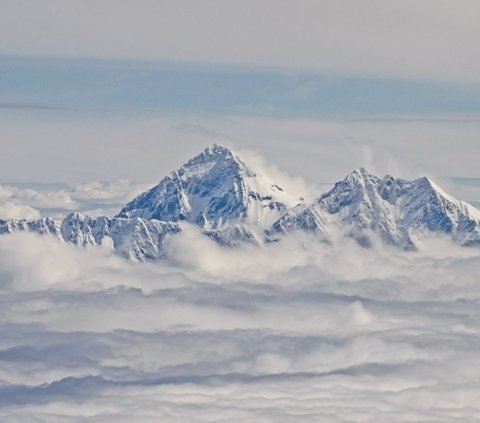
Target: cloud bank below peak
pixel 271 335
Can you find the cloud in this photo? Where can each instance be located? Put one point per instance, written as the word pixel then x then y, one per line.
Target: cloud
pixel 319 150
pixel 93 198
pixel 5 192
pixel 113 192
pixel 28 106
pixel 283 332
pixel 10 210
pixel 294 185
pixel 407 39
pixel 44 199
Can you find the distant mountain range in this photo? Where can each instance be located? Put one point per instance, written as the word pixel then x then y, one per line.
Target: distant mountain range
pixel 234 204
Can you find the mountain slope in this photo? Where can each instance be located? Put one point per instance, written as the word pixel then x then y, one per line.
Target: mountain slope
pixel 42 226
pixel 135 238
pixel 395 209
pixel 232 203
pixel 217 191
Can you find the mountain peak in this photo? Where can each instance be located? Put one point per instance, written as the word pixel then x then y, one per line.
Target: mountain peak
pixel 428 182
pixel 213 190
pixel 215 149
pixel 215 153
pixel 360 174
pixel 213 159
pixel 395 209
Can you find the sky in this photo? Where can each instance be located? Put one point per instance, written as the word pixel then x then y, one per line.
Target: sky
pixel 99 100
pixel 110 91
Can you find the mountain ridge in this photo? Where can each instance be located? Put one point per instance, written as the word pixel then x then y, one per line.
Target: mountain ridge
pixel 393 208
pixel 232 203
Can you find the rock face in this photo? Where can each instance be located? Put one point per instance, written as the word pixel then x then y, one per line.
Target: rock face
pixel 135 238
pixel 218 192
pixel 396 210
pixel 42 226
pixel 233 204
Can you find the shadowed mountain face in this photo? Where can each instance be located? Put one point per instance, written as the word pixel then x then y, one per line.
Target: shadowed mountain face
pixel 232 203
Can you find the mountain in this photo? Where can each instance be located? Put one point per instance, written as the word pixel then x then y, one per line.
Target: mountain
pixel 42 226
pixel 232 203
pixel 397 210
pixel 218 192
pixel 135 238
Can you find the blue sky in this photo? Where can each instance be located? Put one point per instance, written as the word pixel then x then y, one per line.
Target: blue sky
pixel 139 87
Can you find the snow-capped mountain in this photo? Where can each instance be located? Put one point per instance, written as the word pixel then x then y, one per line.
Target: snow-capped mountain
pixel 232 203
pixel 217 191
pixel 395 209
pixel 42 226
pixel 135 238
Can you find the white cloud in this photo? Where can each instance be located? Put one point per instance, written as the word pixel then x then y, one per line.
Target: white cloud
pixel 92 198
pixel 44 199
pixel 284 333
pixel 5 192
pixel 10 210
pixel 112 192
pixel 432 39
pixel 318 150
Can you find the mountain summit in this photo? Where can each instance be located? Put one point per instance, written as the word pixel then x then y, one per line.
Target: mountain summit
pixel 233 203
pixel 217 191
pixel 397 210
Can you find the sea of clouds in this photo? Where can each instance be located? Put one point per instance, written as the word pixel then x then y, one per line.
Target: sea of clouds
pixel 290 332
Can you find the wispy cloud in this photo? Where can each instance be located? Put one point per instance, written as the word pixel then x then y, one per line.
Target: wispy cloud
pixel 29 106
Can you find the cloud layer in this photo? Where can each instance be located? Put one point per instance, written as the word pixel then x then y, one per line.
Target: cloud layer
pixel 216 335
pixel 321 150
pixel 22 201
pixel 432 39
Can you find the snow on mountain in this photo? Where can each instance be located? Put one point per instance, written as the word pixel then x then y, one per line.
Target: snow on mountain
pixel 85 230
pixel 217 191
pixel 135 238
pixel 42 226
pixel 395 209
pixel 232 203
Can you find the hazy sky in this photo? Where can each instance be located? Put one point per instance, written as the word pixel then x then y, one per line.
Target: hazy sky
pixel 129 90
pixel 429 39
pixel 101 99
